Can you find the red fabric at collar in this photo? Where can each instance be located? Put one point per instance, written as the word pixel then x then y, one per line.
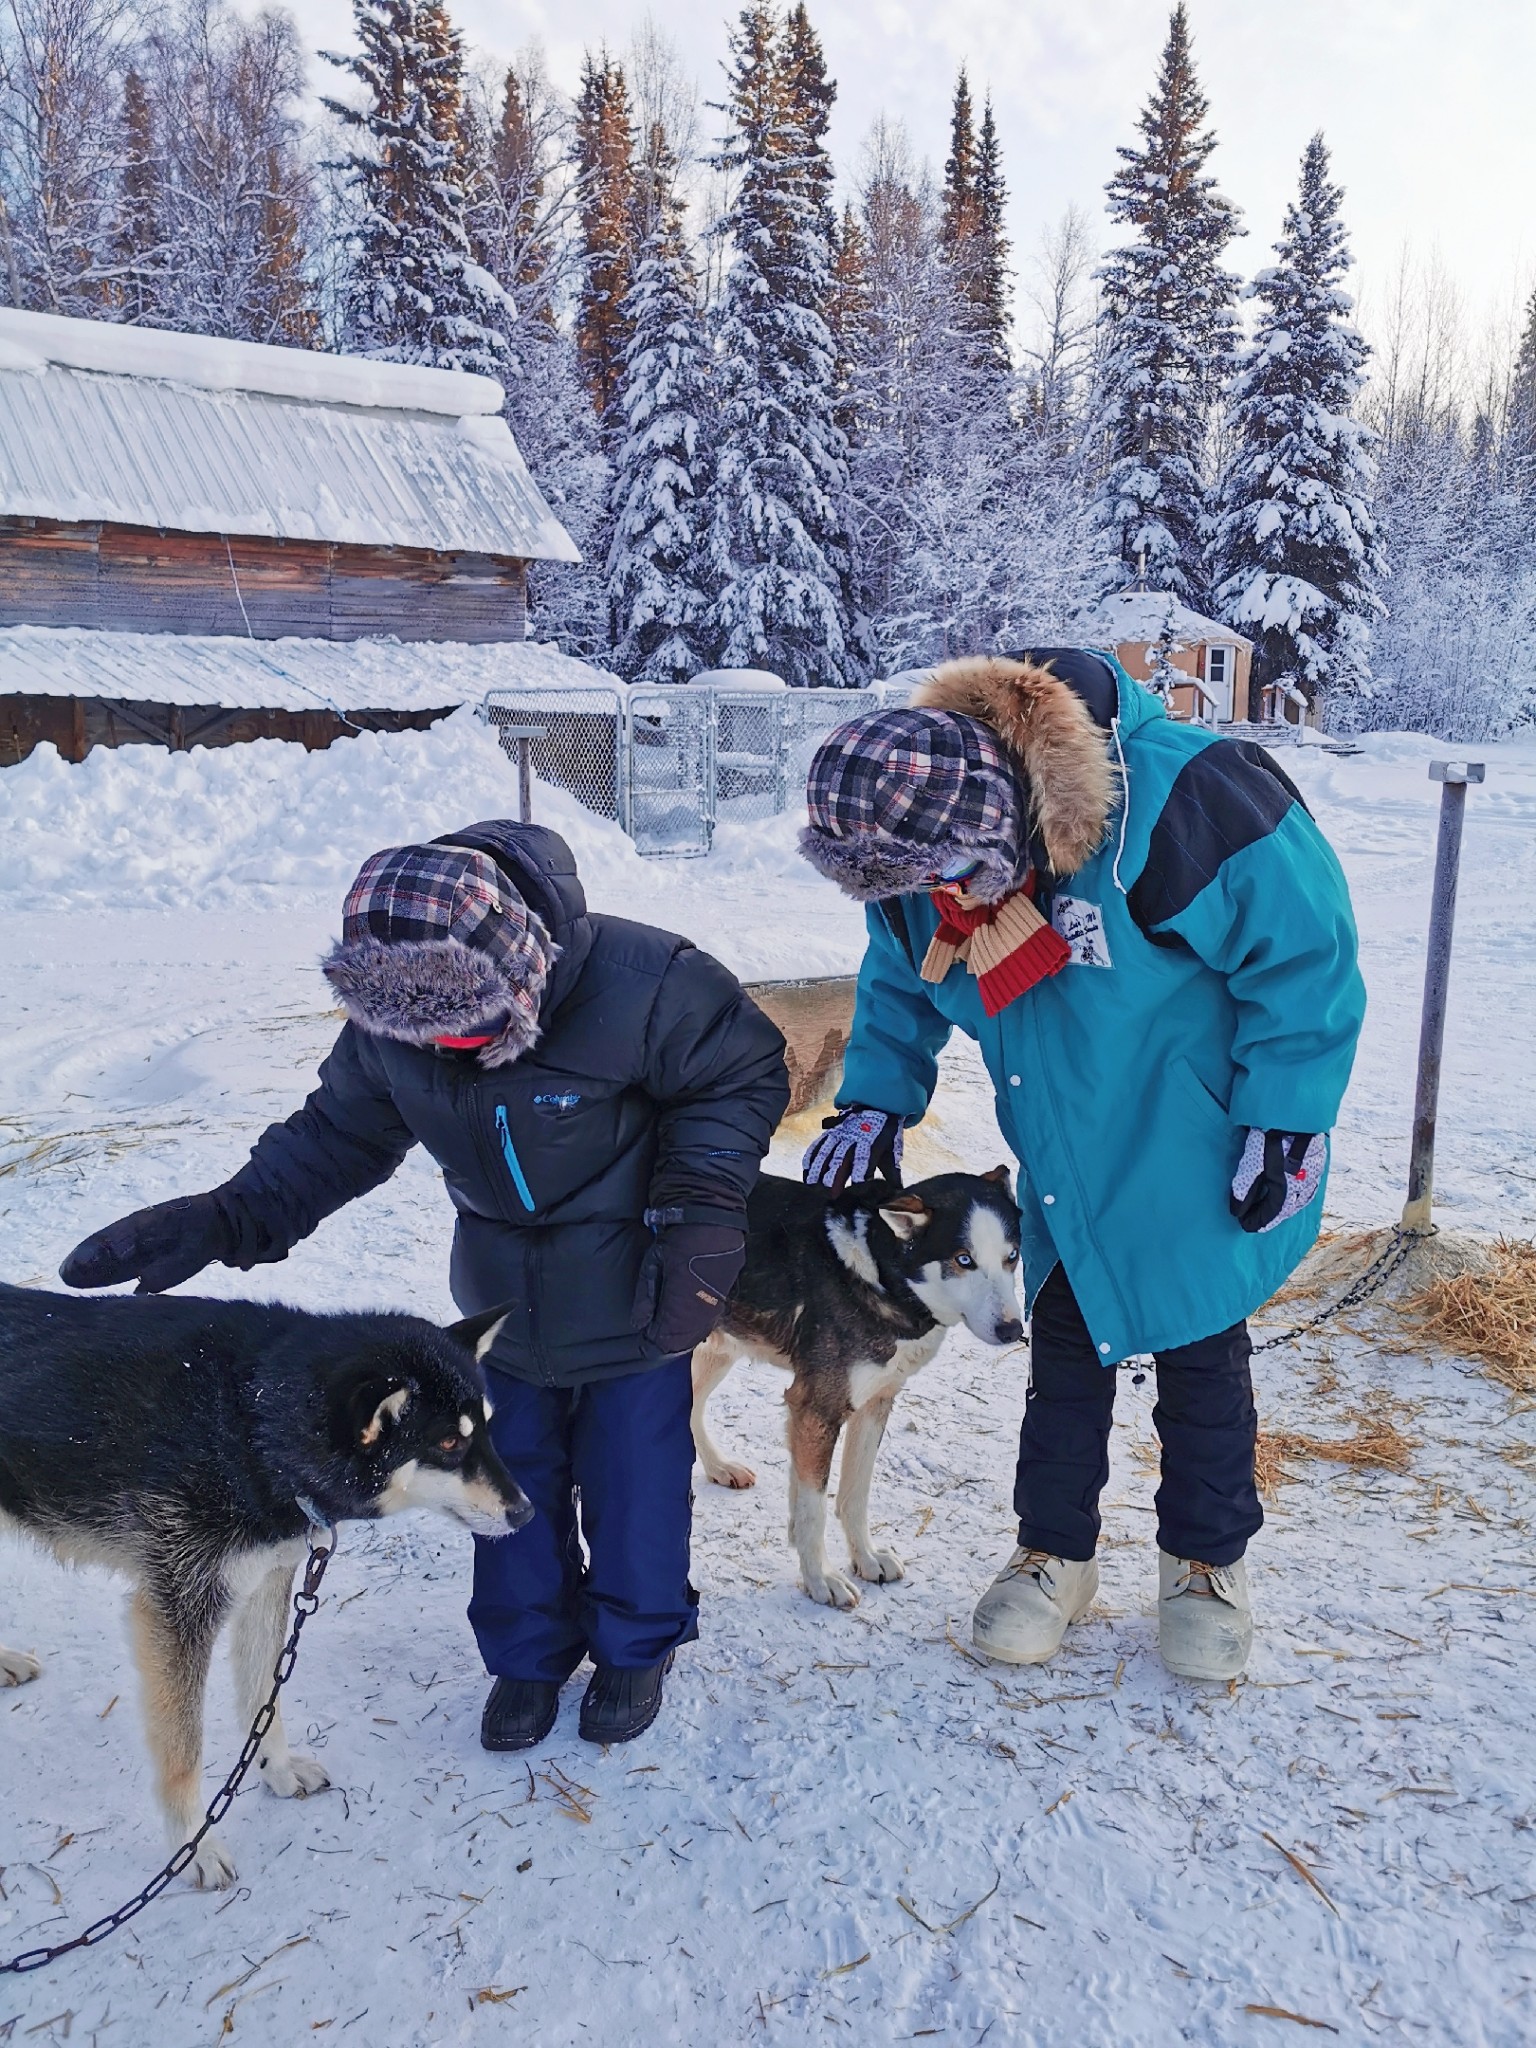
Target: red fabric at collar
pixel 465 1044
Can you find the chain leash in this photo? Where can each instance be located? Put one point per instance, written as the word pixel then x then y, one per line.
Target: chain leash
pixel 305 1600
pixel 1371 1281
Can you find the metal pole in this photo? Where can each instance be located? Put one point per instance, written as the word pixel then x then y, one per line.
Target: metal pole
pixel 1453 776
pixel 525 735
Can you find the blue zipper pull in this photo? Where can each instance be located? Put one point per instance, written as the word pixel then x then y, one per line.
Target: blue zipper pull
pixel 514 1164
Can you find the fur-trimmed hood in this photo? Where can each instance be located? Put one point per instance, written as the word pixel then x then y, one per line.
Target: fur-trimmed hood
pixel 1049 731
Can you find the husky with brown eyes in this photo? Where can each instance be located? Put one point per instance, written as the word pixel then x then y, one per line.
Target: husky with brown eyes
pixel 187 1443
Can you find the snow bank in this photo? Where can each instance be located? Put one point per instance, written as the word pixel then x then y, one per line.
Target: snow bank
pixel 267 827
pixel 262 825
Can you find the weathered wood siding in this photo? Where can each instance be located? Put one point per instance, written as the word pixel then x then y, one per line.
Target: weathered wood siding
pixel 76 724
pixel 135 579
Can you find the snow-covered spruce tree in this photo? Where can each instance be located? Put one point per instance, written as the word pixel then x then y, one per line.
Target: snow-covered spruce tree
pixel 1298 555
pixel 1520 433
pixel 605 162
pixel 1167 338
pixel 657 604
pixel 777 557
pixel 987 280
pixel 413 294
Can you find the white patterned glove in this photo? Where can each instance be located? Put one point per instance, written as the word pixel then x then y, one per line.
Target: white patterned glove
pixel 1279 1174
pixel 854 1145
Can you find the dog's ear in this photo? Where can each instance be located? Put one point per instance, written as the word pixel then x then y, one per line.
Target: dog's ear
pixel 478 1333
pixel 906 1215
pixel 374 1405
pixel 997 1173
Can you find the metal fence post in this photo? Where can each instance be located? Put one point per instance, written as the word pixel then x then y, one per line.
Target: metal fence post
pixel 525 735
pixel 1453 776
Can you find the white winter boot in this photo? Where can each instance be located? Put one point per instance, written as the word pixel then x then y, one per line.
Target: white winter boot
pixel 1204 1622
pixel 1023 1615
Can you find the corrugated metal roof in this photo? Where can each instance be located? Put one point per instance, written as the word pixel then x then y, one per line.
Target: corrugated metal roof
pixel 80 444
pixel 276 675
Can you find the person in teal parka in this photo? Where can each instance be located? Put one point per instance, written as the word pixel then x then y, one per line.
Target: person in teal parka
pixel 1151 941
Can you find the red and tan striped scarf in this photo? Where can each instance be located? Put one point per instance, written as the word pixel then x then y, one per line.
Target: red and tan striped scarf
pixel 1008 946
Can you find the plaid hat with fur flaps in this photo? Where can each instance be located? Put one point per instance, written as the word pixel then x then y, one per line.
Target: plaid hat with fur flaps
pixel 896 797
pixel 436 943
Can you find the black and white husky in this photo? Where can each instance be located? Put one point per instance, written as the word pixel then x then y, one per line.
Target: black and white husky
pixel 852 1294
pixel 189 1443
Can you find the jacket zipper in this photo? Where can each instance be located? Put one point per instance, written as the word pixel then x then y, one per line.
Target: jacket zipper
pixel 514 1164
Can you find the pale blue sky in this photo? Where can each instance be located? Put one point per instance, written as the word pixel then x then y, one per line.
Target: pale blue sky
pixel 1425 103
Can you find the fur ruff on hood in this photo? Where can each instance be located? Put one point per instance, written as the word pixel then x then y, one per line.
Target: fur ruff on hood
pixel 870 866
pixel 1050 732
pixel 420 990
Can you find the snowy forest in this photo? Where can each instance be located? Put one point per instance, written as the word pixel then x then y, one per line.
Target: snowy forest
pixel 816 418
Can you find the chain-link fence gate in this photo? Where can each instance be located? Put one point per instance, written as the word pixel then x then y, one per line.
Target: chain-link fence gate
pixel 670 762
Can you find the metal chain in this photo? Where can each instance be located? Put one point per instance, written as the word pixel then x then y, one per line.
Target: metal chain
pixel 1370 1282
pixel 305 1601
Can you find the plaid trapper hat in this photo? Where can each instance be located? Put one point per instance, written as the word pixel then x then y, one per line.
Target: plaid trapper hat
pixel 436 943
pixel 897 797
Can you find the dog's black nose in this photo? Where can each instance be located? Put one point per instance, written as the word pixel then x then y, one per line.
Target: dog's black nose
pixel 520 1512
pixel 1010 1332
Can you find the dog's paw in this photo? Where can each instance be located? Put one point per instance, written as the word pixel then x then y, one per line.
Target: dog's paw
pixel 18 1666
pixel 293 1776
pixel 831 1589
pixel 212 1869
pixel 882 1567
pixel 738 1477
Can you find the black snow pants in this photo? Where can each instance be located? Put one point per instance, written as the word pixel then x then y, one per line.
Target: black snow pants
pixel 1207 1503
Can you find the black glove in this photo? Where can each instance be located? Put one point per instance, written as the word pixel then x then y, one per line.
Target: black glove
pixel 700 1263
pixel 1279 1173
pixel 855 1145
pixel 158 1247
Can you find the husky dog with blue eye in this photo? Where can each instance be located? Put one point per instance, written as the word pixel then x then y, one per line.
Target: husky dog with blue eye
pixel 852 1293
pixel 190 1445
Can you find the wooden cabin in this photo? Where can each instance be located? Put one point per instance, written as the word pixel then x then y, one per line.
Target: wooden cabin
pixel 162 489
pixel 1159 640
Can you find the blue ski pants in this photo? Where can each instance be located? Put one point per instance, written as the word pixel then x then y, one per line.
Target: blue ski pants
pixel 602 1569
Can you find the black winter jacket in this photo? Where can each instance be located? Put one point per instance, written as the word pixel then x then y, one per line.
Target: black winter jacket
pixel 655 1087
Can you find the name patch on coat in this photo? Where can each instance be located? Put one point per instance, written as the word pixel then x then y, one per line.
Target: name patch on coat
pixel 1081 924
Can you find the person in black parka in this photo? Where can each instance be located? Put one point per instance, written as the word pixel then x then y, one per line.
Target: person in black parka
pixel 599 1095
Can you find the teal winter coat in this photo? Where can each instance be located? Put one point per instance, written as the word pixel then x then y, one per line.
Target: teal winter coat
pixel 1213 986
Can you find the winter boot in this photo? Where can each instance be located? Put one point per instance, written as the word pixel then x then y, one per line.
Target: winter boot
pixel 1204 1622
pixel 1023 1615
pixel 519 1713
pixel 619 1705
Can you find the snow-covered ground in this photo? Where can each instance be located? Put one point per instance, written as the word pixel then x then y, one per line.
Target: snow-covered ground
pixel 792 1853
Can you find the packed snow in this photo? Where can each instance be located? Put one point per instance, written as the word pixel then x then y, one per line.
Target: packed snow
pixel 843 1826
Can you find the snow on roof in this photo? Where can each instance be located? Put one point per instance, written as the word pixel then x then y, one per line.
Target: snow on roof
pixel 276 675
pixel 144 428
pixel 1144 616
